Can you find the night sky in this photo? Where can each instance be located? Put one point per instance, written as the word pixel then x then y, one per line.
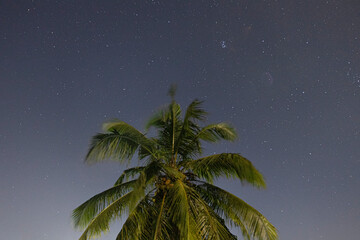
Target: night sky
pixel 286 74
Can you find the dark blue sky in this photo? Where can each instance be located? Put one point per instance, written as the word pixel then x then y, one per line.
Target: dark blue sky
pixel 286 74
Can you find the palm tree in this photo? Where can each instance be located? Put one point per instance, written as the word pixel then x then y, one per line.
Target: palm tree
pixel 171 194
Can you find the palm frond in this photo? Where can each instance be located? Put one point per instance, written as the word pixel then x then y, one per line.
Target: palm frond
pixel 163 116
pixel 138 224
pixel 195 112
pixel 216 132
pixel 179 210
pixel 208 224
pixel 157 231
pixel 239 211
pixel 184 143
pixel 83 214
pixel 226 165
pixel 145 181
pixel 88 210
pixel 158 119
pixel 100 223
pixel 120 143
pixel 128 173
pixel 231 218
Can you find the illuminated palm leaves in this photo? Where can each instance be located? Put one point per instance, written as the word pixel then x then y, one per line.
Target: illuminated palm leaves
pixel 171 196
pixel 119 143
pixel 226 165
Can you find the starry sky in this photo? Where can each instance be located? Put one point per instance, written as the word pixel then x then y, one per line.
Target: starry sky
pixel 286 74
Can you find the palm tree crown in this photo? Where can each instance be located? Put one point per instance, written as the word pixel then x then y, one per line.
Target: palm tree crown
pixel 171 194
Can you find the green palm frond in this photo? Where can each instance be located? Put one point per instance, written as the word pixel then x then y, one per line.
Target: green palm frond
pixel 159 119
pixel 163 116
pixel 184 143
pixel 110 146
pixel 239 211
pixel 83 214
pixel 138 224
pixel 195 112
pixel 145 181
pixel 120 143
pixel 157 228
pixel 104 215
pixel 208 224
pixel 216 132
pixel 231 218
pixel 228 165
pixel 179 210
pixel 129 173
pixel 100 223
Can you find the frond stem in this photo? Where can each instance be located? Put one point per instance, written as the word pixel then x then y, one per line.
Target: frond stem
pixel 159 217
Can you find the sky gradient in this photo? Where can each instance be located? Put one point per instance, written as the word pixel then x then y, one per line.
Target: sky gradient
pixel 286 74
